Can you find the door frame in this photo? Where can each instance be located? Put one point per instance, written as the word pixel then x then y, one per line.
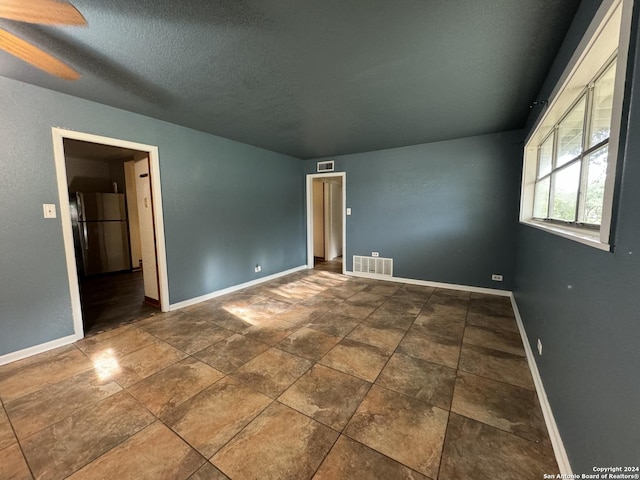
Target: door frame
pixel 59 134
pixel 309 182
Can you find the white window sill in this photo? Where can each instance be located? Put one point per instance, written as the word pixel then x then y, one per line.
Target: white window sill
pixel 586 237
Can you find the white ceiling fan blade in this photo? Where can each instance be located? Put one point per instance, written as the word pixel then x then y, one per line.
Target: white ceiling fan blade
pixel 52 12
pixel 35 56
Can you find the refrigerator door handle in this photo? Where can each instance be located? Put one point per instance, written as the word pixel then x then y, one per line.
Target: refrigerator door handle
pixel 84 240
pixel 81 213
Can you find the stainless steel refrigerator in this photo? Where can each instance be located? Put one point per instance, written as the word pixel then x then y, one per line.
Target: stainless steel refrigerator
pixel 100 232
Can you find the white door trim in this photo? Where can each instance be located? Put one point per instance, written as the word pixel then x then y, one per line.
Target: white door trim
pixel 59 134
pixel 310 178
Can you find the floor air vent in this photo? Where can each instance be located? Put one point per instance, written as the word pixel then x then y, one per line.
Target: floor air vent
pixel 373 266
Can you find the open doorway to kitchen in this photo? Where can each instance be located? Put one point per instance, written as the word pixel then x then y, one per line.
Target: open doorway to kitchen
pixel 112 226
pixel 326 221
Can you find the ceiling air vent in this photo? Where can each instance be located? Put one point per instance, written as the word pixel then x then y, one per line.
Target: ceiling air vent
pixel 373 266
pixel 326 166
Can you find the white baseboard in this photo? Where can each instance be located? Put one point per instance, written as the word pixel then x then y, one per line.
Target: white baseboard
pixel 552 427
pixel 217 293
pixel 425 283
pixel 41 348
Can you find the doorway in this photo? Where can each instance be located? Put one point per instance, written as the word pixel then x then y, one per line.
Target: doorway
pixel 326 208
pixel 110 208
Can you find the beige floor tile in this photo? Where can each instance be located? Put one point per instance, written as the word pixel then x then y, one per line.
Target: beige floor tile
pixel 299 290
pixel 214 416
pixel 334 323
pixel 442 320
pixel 345 290
pixel 168 388
pixel 497 365
pixel 387 289
pixel 504 406
pixel 225 318
pixel 116 344
pixel 187 332
pixel 454 313
pixel 270 331
pixel 493 322
pixel 392 317
pixel 283 444
pixel 491 305
pixel 503 340
pixel 431 348
pixel 67 446
pixel 455 298
pixel 356 358
pixel 326 395
pixel 35 411
pixel 414 295
pixel 308 343
pixel 231 353
pixel 155 452
pixel 357 312
pixel 272 372
pixel 13 465
pixel 36 374
pixel 7 436
pixel 476 450
pixel 419 379
pixel 300 315
pixel 271 305
pixel 208 472
pixel 40 359
pixel 380 336
pixel 403 428
pixel 351 460
pixel 366 299
pixel 440 326
pixel 138 365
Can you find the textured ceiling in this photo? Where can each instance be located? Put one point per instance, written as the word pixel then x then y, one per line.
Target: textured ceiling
pixel 310 78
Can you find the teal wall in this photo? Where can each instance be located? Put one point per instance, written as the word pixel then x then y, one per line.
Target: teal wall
pixel 584 305
pixel 445 212
pixel 227 206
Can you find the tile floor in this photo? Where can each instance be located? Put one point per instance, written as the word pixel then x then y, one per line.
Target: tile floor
pixel 313 375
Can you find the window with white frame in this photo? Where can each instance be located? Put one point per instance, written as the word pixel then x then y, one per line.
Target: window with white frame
pixel 569 168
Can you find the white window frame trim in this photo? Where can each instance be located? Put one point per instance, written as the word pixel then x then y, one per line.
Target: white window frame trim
pixel 598 239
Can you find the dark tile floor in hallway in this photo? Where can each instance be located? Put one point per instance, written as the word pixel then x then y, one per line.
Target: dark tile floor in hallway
pixel 112 300
pixel 313 375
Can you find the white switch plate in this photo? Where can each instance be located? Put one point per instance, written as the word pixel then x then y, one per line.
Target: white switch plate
pixel 496 277
pixel 49 210
pixel 258 268
pixel 375 254
pixel 348 211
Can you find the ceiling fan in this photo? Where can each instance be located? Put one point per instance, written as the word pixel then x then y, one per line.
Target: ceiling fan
pixel 48 12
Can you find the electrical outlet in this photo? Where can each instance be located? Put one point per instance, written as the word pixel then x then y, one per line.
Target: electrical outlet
pixel 375 254
pixel 539 347
pixel 496 277
pixel 258 268
pixel 348 211
pixel 49 210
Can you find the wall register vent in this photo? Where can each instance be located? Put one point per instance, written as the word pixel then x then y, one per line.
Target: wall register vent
pixel 373 266
pixel 326 166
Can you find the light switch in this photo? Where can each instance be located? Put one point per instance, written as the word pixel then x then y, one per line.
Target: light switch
pixel 49 210
pixel 348 211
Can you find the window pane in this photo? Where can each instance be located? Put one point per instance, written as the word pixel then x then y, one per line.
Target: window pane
pixel 570 134
pixel 546 151
pixel 602 105
pixel 594 190
pixel 541 199
pixel 565 194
